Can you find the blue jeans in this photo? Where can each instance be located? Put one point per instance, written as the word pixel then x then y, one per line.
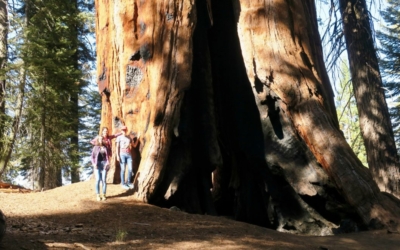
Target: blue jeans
pixel 126 159
pixel 101 175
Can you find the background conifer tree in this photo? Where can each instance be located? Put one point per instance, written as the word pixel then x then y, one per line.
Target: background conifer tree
pixel 51 53
pixel 389 37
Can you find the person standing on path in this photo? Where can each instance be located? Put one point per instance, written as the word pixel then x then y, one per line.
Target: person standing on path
pixel 124 156
pixel 100 162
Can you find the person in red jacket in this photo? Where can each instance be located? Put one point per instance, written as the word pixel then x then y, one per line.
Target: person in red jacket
pixel 106 139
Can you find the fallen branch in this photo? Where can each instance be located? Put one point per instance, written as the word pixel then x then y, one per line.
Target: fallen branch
pixel 60 245
pixel 10 188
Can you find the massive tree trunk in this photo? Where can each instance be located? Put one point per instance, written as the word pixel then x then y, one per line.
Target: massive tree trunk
pixel 375 123
pixel 235 111
pixel 144 62
pixel 291 72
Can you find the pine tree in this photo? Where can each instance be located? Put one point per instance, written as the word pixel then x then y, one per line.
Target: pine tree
pixel 48 90
pixel 55 58
pixel 81 32
pixel 389 37
pixel 15 89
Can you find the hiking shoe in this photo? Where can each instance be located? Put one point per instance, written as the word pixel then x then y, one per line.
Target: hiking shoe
pixel 125 186
pixel 103 197
pixel 130 186
pixel 98 198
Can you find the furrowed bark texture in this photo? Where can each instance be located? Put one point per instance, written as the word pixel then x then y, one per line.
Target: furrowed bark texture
pixel 286 68
pixel 235 112
pixel 144 64
pixel 243 185
pixel 195 150
pixel 375 123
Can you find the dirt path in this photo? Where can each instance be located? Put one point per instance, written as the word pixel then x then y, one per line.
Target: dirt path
pixel 70 218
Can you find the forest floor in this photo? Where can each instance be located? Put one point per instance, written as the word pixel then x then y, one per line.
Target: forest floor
pixel 69 217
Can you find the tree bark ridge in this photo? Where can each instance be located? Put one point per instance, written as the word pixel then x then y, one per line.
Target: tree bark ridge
pixel 297 85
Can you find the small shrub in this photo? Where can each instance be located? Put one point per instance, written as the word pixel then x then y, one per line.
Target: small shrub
pixel 120 235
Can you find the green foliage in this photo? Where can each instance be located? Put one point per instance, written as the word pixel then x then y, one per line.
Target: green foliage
pixel 50 43
pixel 389 37
pixel 50 57
pixel 120 234
pixel 346 109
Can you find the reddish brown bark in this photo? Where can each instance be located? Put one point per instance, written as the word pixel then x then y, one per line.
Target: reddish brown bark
pixel 244 95
pixel 278 52
pixel 144 63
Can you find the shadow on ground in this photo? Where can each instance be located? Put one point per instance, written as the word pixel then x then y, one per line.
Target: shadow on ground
pixel 70 218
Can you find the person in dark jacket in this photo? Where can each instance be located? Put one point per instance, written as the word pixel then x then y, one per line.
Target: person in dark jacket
pixel 101 164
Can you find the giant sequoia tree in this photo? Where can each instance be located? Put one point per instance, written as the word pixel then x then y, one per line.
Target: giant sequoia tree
pixel 236 113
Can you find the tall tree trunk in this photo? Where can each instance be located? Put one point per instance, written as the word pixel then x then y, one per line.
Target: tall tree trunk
pixel 143 75
pixel 375 123
pixel 44 169
pixel 287 70
pixel 194 151
pixel 74 149
pixel 246 79
pixel 51 174
pixel 3 55
pixel 8 146
pixel 259 192
pixel 3 62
